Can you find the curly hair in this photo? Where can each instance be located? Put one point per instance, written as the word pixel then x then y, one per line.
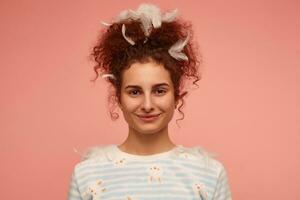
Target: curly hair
pixel 113 54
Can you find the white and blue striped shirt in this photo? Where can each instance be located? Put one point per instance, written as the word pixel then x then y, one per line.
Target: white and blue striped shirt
pixel 183 173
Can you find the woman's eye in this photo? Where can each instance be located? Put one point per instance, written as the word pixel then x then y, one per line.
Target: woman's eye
pixel 134 92
pixel 157 92
pixel 160 91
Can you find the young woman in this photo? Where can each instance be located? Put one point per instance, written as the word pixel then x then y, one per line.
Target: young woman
pixel 147 56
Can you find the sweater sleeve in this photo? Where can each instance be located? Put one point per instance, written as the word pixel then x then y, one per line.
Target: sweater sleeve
pixel 222 191
pixel 74 193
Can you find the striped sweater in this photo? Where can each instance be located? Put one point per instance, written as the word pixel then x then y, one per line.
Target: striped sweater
pixel 183 173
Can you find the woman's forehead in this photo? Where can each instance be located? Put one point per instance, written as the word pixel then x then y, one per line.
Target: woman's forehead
pixel 146 73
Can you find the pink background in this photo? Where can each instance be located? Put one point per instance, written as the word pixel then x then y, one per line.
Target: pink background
pixel 246 109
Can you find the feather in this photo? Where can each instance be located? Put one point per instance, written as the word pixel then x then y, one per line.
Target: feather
pixel 149 10
pixel 127 14
pixel 175 49
pixel 108 76
pixel 105 24
pixel 122 16
pixel 179 45
pixel 150 17
pixel 133 15
pixel 128 39
pixel 178 55
pixel 146 24
pixel 156 21
pixel 152 13
pixel 170 16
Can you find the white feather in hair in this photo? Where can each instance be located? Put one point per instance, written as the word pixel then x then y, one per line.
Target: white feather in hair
pixel 128 39
pixel 146 24
pixel 149 15
pixel 106 24
pixel 175 49
pixel 108 76
pixel 127 14
pixel 151 12
pixel 170 16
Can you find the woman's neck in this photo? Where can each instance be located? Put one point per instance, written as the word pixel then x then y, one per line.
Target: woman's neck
pixel 147 143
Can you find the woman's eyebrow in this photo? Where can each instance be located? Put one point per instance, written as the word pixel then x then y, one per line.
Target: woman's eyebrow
pixel 154 86
pixel 161 84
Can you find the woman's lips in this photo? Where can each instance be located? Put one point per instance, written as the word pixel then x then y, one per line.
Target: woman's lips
pixel 148 118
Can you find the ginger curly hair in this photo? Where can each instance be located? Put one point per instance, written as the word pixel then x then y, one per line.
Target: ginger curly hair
pixel 113 54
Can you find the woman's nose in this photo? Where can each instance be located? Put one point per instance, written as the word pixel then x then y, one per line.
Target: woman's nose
pixel 147 103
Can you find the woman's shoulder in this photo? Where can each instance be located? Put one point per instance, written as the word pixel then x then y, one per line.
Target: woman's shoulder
pixel 95 154
pixel 201 155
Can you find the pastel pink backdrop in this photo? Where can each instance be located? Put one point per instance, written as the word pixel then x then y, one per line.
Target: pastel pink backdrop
pixel 246 108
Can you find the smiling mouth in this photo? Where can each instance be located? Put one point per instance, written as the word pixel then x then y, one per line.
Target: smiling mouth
pixel 148 118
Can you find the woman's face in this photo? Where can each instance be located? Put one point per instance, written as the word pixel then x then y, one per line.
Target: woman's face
pixel 147 97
